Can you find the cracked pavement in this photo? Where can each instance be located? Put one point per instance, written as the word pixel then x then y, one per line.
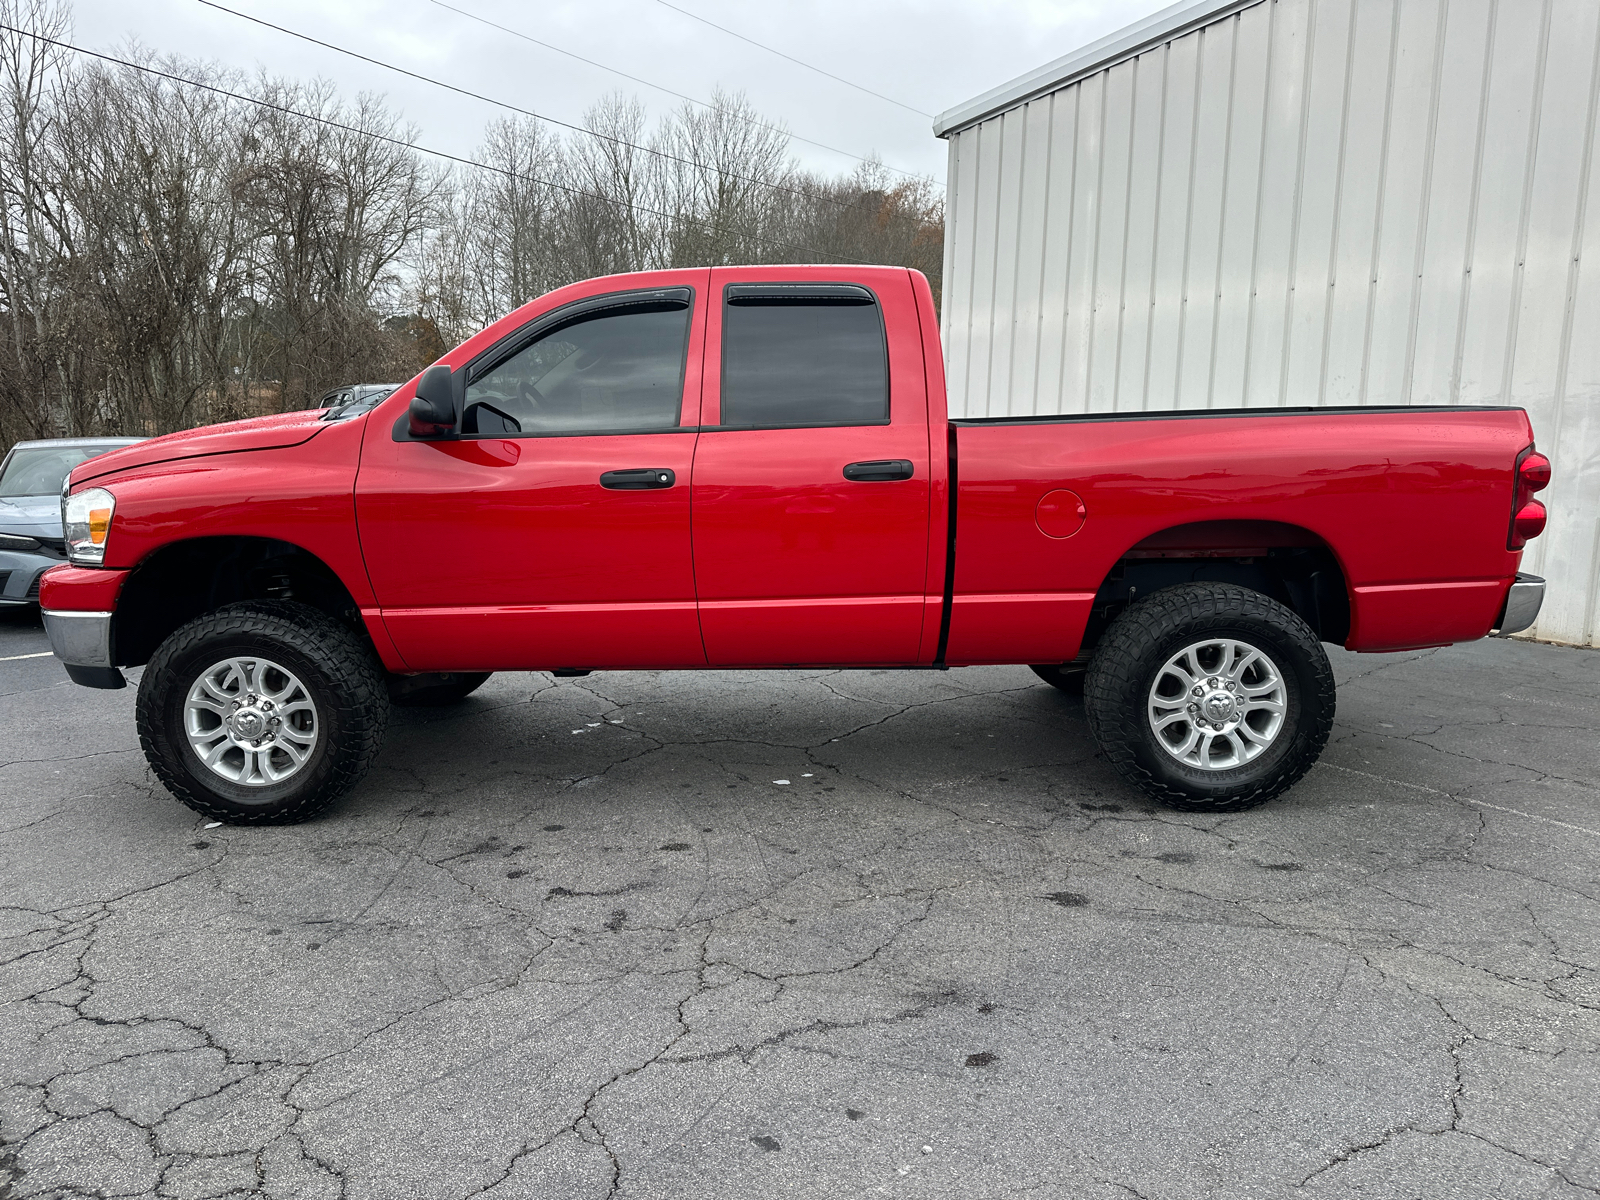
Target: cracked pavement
pixel 574 938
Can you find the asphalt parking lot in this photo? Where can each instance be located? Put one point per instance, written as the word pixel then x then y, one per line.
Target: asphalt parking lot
pixel 813 934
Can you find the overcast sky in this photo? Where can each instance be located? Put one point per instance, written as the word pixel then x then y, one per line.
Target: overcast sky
pixel 930 55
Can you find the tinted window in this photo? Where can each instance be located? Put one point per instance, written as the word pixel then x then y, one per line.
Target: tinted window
pixel 798 355
pixel 607 373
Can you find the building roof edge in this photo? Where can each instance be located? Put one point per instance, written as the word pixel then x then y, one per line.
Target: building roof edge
pixel 1183 17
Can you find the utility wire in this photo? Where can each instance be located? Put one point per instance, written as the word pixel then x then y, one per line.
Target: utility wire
pixel 793 59
pixel 517 33
pixel 526 112
pixel 405 145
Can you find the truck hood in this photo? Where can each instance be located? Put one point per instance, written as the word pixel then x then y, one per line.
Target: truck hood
pixel 256 433
pixel 31 516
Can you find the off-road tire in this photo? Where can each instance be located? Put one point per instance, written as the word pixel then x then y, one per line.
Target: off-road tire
pixel 1143 637
pixel 337 667
pixel 436 690
pixel 1069 681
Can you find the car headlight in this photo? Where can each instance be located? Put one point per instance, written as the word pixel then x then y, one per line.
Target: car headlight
pixel 86 522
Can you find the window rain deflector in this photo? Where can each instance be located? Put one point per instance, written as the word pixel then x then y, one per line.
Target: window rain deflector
pixel 744 294
pixel 612 304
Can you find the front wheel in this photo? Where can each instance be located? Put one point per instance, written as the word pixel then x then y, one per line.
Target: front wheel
pixel 1210 697
pixel 262 713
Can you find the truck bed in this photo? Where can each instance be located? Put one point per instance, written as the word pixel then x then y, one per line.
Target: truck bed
pixel 1411 504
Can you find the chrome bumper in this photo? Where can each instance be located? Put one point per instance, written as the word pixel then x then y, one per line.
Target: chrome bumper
pixel 82 641
pixel 1522 604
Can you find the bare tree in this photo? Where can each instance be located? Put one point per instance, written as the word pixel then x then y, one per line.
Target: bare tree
pixel 613 220
pixel 142 167
pixel 171 255
pixel 334 211
pixel 727 183
pixel 38 368
pixel 867 217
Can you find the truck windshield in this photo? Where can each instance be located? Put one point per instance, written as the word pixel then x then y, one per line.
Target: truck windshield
pixel 41 470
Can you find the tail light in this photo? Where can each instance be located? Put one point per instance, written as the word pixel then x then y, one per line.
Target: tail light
pixel 1527 514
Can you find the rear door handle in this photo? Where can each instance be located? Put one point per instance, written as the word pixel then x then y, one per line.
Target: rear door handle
pixel 879 471
pixel 638 479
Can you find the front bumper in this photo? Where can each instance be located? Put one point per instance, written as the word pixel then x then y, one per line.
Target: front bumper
pixel 1522 604
pixel 82 641
pixel 20 572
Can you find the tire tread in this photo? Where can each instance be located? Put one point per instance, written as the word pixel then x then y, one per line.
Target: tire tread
pixel 360 702
pixel 1197 608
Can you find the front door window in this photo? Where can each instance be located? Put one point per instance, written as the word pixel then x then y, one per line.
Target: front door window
pixel 618 370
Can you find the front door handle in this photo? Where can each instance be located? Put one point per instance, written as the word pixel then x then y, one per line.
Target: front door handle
pixel 880 471
pixel 638 479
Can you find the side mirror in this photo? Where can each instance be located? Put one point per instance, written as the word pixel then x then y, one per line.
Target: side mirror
pixel 433 408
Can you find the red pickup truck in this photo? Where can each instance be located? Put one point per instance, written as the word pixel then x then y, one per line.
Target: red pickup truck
pixel 753 467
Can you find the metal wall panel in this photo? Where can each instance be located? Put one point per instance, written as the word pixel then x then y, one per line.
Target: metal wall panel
pixel 1056 257
pixel 1288 52
pixel 1408 175
pixel 1367 202
pixel 1171 240
pixel 1139 256
pixel 1241 205
pixel 1033 225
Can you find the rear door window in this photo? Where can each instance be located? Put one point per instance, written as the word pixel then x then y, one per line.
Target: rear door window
pixel 801 354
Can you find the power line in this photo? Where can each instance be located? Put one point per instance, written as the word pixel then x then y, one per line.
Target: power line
pixel 405 145
pixel 793 59
pixel 517 33
pixel 509 107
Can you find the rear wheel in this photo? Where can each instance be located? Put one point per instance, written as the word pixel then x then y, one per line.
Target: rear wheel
pixel 1210 697
pixel 261 713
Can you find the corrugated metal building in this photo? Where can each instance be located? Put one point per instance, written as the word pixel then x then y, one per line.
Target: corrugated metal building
pixel 1289 202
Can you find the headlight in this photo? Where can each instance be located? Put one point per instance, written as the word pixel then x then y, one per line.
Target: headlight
pixel 86 522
